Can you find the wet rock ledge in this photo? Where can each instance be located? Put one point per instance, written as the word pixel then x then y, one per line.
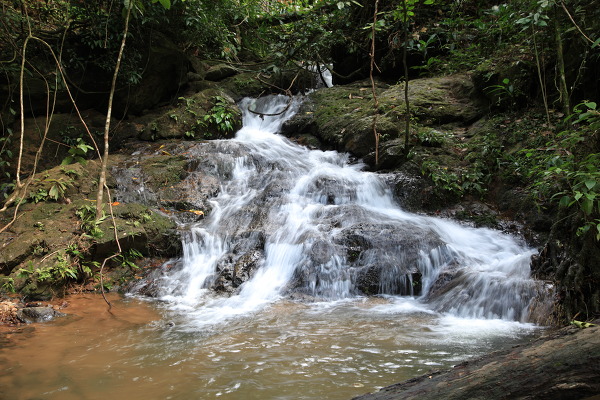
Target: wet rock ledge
pixel 563 364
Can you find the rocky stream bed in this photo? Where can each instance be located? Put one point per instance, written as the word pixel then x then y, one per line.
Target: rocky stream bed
pixel 164 174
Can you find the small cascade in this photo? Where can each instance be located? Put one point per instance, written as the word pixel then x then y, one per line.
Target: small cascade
pixel 293 221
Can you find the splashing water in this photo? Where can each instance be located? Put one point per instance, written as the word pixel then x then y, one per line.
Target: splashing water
pixel 316 224
pixel 288 224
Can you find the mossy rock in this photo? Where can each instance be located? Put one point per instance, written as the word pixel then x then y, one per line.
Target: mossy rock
pixel 137 227
pixel 49 229
pixel 188 119
pixel 63 130
pixel 164 170
pixel 436 101
pixel 219 72
pixel 254 84
pixel 342 117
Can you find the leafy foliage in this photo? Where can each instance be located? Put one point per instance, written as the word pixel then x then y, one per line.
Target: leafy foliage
pixel 52 189
pixel 565 173
pixel 222 115
pixel 77 152
pixel 8 284
pixel 127 258
pixel 504 93
pixel 89 223
pixel 64 268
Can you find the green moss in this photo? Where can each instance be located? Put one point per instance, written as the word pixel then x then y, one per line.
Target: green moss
pixel 164 170
pixel 187 119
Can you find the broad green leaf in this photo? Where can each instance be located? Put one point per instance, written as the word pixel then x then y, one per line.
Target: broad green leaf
pixel 590 184
pixel 53 193
pixel 165 3
pixel 564 201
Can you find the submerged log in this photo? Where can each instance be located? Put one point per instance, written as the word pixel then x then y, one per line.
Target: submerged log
pixel 561 365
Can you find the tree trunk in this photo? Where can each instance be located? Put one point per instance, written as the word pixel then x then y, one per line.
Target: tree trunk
pixel 102 178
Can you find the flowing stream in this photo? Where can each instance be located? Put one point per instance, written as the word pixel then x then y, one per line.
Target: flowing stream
pixel 268 300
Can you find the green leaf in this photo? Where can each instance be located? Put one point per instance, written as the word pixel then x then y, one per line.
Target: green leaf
pixel 581 324
pixel 165 3
pixel 590 196
pixel 565 201
pixel 53 193
pixel 590 183
pixel 587 206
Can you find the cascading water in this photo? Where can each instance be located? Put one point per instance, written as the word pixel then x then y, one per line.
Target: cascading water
pixel 295 239
pixel 315 224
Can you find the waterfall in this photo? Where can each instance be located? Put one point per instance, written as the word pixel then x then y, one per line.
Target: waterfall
pixel 289 221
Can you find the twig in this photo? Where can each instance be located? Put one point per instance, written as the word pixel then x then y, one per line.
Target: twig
pixel 287 91
pixel 14 196
pixel 562 3
pixel 102 279
pixel 112 217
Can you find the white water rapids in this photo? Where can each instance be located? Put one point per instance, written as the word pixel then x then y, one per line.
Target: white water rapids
pixel 313 205
pixel 269 299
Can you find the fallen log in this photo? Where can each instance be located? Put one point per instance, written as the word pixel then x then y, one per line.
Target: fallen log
pixel 562 364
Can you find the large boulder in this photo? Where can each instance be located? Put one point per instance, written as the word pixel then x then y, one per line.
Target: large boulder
pixel 342 117
pixel 209 114
pixel 55 242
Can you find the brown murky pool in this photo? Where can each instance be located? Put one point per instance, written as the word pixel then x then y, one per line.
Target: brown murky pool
pixel 289 350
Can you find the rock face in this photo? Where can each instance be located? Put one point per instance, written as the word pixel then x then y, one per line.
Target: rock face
pixel 51 241
pixel 564 365
pixel 341 117
pixel 165 71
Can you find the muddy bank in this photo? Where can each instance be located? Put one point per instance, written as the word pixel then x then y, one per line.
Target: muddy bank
pixel 562 364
